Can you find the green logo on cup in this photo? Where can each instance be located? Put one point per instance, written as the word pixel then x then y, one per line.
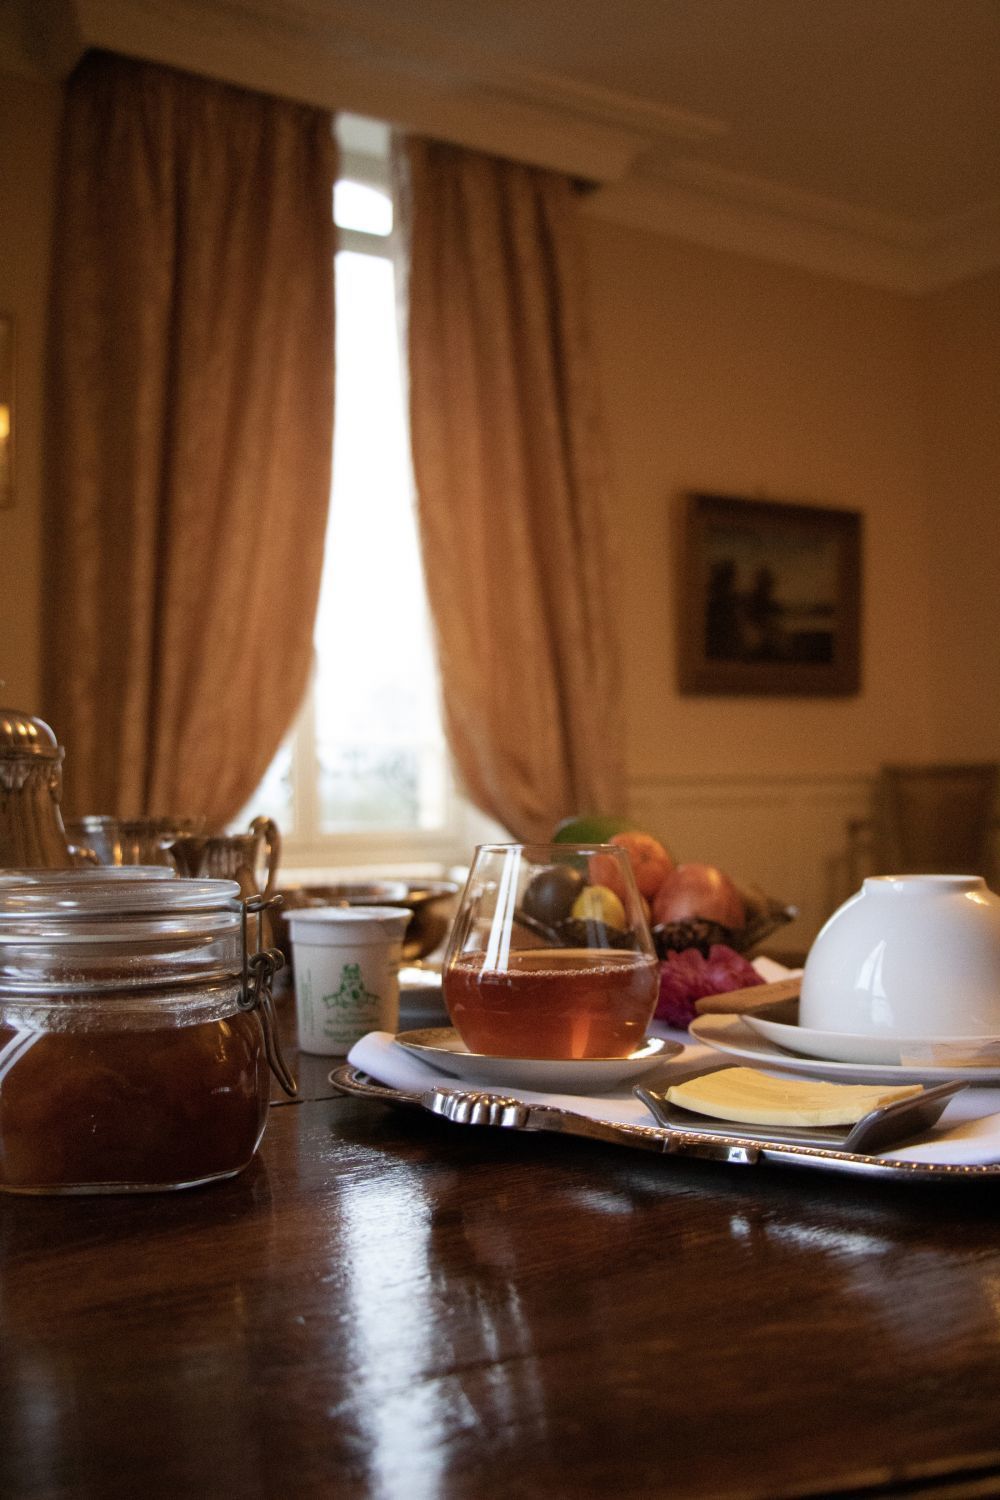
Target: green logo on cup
pixel 350 996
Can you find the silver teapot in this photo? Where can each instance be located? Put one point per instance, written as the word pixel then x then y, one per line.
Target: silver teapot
pixel 32 833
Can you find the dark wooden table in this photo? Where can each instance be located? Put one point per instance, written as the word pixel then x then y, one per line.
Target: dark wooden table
pixel 388 1305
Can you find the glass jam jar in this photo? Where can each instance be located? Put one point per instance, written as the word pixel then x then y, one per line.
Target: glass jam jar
pixel 135 1032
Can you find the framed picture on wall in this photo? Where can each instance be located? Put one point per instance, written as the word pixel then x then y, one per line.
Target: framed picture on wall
pixel 769 597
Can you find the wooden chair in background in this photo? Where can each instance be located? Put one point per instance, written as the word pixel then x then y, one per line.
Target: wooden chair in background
pixel 927 820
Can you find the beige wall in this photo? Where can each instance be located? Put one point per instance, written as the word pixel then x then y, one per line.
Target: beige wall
pixel 29 114
pixel 733 376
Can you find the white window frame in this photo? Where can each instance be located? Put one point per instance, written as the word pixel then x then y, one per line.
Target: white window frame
pixel 420 850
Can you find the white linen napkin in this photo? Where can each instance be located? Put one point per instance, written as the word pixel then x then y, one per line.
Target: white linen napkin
pixel 968 1133
pixel 379 1055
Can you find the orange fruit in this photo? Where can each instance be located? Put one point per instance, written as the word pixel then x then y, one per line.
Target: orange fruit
pixel 651 864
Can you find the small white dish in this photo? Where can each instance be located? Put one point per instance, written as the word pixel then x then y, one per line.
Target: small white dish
pixel 842 1046
pixel 442 1048
pixel 731 1035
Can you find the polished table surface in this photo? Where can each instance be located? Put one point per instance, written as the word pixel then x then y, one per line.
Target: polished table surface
pixel 389 1305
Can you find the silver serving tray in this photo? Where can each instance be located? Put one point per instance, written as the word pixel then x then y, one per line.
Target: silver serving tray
pixel 476 1107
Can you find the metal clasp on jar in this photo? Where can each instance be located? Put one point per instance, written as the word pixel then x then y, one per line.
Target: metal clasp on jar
pixel 259 969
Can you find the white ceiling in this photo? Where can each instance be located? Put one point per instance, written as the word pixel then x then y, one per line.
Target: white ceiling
pixel 856 137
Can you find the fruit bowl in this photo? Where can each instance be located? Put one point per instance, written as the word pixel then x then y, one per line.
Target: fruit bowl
pixel 690 905
pixel 764 916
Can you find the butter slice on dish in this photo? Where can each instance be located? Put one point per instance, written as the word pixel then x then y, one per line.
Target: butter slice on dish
pixel 755 1098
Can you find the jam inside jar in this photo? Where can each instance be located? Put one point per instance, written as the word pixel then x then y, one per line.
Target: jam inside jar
pixel 130 1060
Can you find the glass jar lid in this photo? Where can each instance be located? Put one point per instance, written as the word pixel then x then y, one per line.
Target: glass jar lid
pixel 91 929
pixel 86 875
pixel 110 891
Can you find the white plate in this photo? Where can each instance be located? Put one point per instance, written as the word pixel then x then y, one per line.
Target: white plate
pixel 842 1046
pixel 732 1035
pixel 443 1048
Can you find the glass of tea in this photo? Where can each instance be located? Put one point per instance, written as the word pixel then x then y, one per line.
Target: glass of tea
pixel 550 954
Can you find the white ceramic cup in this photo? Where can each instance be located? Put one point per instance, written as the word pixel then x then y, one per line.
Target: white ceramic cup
pixel 346 963
pixel 913 956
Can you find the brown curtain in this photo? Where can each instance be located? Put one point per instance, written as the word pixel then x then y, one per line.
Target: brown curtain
pixel 510 485
pixel 189 434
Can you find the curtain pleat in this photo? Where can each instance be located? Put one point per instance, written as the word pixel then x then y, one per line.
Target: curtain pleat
pixel 189 433
pixel 510 481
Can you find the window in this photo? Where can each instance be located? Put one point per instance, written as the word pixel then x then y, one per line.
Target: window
pixel 364 775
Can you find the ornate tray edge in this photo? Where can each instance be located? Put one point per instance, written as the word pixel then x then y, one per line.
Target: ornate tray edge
pixel 490 1107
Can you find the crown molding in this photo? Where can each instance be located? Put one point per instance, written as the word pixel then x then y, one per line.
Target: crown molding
pixel 769 221
pixel 446 63
pixel 342 56
pixel 762 193
pixel 338 55
pixel 419 49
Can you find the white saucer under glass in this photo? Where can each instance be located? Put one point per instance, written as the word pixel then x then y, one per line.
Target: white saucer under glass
pixel 444 1050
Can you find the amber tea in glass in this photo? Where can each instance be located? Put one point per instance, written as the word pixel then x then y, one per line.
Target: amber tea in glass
pixel 550 954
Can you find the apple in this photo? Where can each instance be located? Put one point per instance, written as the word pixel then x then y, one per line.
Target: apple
pixel 696 890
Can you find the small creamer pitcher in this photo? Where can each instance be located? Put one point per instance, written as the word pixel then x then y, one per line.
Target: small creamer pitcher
pixel 250 858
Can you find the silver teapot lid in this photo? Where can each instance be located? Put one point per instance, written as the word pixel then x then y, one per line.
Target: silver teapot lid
pixel 24 734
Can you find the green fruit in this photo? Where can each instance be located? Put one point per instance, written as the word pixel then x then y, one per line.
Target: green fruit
pixel 549 896
pixel 589 828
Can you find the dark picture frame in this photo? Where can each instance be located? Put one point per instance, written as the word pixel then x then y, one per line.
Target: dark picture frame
pixel 770 598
